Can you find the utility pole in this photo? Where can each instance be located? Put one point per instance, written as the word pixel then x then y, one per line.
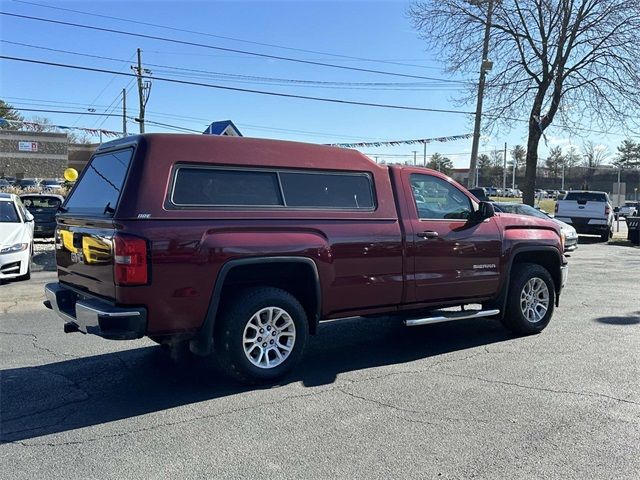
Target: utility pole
pixel 485 66
pixel 124 112
pixel 504 171
pixel 144 89
pixel 414 157
pixel 562 187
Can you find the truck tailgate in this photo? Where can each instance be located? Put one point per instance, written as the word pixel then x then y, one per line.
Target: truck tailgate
pixel 84 254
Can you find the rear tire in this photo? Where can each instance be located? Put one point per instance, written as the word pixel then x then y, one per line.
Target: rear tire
pixel 604 236
pixel 531 299
pixel 260 335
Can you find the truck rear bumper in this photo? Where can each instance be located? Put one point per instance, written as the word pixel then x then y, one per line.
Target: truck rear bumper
pixel 93 315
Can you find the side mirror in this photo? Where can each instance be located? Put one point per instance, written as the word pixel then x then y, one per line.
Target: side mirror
pixel 485 210
pixel 28 217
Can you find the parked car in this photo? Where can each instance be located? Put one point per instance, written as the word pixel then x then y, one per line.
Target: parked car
pixel 588 212
pixel 43 207
pixel 16 238
pixel 4 184
pixel 491 191
pixel 26 183
pixel 237 246
pixel 10 179
pixel 51 185
pixel 480 193
pixel 570 234
pixel 629 209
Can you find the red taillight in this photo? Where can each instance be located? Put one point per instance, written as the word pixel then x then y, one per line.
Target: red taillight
pixel 130 260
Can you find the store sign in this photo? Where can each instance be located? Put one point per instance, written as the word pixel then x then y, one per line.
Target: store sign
pixel 28 146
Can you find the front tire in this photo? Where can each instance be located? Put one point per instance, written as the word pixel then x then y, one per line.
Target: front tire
pixel 260 335
pixel 531 299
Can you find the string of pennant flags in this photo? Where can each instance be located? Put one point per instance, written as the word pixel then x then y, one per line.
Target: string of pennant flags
pixel 35 126
pixel 393 143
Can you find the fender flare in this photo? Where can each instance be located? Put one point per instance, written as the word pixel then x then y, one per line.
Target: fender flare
pixel 201 343
pixel 504 290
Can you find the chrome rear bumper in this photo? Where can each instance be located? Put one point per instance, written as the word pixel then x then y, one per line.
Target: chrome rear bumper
pixel 95 316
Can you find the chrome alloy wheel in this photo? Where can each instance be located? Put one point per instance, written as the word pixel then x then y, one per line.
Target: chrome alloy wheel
pixel 269 337
pixel 534 300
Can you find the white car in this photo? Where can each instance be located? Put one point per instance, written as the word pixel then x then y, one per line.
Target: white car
pixel 570 234
pixel 16 238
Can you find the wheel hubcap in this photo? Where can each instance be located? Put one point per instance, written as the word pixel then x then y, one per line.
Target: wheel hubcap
pixel 269 337
pixel 534 300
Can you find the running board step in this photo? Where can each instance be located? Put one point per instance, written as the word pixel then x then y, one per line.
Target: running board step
pixel 451 316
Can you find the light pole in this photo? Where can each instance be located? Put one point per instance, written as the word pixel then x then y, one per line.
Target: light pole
pixel 504 171
pixel 485 66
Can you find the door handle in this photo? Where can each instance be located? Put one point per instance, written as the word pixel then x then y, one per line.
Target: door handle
pixel 428 234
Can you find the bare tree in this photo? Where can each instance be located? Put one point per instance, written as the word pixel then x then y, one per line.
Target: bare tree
pixel 594 157
pixel 569 60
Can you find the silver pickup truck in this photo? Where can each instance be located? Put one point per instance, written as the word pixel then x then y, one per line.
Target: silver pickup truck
pixel 588 212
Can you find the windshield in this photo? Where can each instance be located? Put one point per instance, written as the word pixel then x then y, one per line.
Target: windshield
pixel 50 182
pixel 532 212
pixel 521 209
pixel 8 212
pixel 41 202
pixel 101 184
pixel 28 183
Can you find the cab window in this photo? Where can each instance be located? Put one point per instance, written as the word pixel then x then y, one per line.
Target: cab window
pixel 437 199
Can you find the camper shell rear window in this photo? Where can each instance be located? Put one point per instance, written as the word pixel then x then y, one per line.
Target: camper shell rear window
pixel 100 186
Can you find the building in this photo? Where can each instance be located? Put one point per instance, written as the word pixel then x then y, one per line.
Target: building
pixel 33 154
pixel 80 153
pixel 460 175
pixel 225 128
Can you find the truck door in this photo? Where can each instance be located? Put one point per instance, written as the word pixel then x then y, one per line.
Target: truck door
pixel 454 257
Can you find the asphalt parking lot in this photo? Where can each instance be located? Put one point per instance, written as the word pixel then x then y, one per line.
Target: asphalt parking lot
pixel 370 400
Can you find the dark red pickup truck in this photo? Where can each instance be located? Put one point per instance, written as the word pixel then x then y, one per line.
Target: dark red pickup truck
pixel 242 246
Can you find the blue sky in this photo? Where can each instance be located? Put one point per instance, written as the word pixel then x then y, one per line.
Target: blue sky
pixel 378 30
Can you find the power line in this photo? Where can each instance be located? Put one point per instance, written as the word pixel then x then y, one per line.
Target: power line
pixel 260 80
pixel 213 47
pixel 184 30
pixel 34 102
pixel 237 89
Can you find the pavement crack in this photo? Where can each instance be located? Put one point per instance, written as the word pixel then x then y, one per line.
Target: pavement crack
pixel 277 402
pixel 37 346
pixel 540 389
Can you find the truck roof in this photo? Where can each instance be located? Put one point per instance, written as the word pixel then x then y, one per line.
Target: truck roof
pixel 191 148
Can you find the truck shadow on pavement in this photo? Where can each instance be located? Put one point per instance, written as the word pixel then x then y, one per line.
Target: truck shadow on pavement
pixel 86 391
